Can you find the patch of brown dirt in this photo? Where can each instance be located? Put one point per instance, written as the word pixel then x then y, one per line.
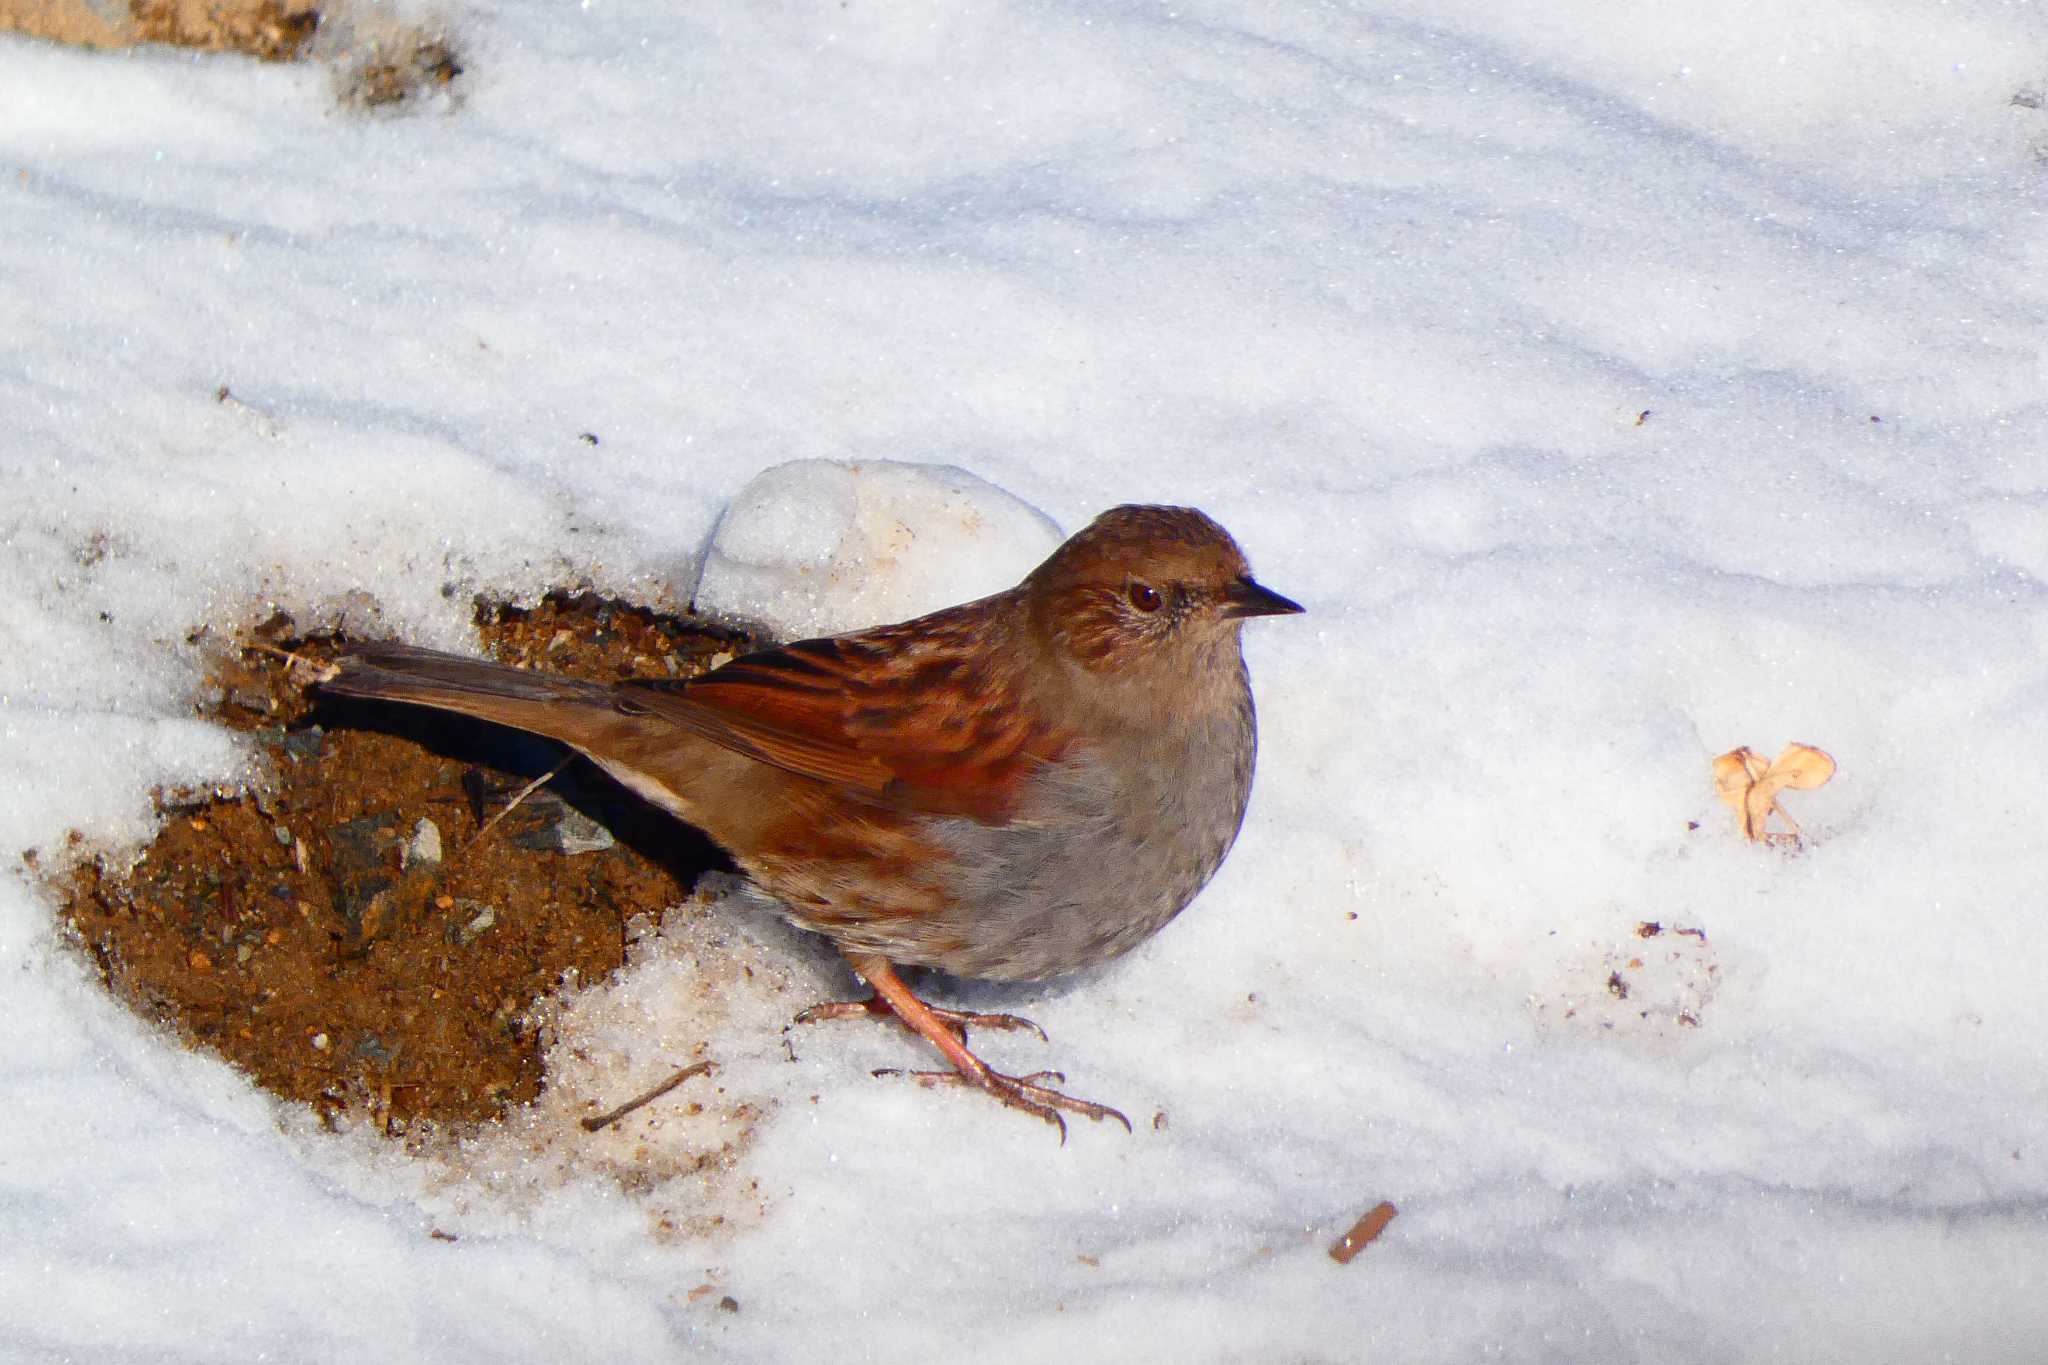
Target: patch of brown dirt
pixel 379 63
pixel 342 934
pixel 272 30
pixel 403 65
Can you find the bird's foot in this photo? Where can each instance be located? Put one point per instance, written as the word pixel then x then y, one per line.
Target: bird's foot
pixel 946 1030
pixel 1028 1093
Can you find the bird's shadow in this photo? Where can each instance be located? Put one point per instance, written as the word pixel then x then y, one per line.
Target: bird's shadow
pixel 682 850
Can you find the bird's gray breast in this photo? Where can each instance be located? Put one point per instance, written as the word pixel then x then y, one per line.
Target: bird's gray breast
pixel 1106 847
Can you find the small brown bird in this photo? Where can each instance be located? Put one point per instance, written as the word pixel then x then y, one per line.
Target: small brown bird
pixel 1013 788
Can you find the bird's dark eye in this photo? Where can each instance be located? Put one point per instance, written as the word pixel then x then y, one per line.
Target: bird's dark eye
pixel 1145 597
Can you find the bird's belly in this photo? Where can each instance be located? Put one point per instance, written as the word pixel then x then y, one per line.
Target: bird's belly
pixel 1089 875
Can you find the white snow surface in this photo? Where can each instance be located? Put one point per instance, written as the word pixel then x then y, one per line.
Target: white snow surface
pixel 1615 386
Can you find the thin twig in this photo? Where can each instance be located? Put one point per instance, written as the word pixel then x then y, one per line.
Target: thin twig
pixel 592 1125
pixel 294 660
pixel 510 806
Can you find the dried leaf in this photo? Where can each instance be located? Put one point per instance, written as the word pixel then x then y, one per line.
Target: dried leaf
pixel 1804 766
pixel 1735 772
pixel 1750 786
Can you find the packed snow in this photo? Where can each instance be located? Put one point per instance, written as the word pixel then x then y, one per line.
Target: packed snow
pixel 1615 387
pixel 817 547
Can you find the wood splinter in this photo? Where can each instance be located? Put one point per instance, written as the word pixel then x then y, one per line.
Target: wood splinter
pixel 601 1121
pixel 1363 1233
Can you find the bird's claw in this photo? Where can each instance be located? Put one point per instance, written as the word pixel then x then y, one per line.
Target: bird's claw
pixel 1029 1093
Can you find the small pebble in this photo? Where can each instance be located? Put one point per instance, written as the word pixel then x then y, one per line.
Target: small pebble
pixel 252 699
pixel 478 924
pixel 304 744
pixel 571 831
pixel 425 845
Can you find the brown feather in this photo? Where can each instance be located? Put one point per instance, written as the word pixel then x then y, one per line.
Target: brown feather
pixel 861 712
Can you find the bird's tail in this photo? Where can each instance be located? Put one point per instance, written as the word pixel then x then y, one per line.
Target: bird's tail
pixel 561 708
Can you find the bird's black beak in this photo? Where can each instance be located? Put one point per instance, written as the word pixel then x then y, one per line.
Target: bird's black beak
pixel 1246 598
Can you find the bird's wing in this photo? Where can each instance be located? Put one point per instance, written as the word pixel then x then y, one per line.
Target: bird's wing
pixel 910 719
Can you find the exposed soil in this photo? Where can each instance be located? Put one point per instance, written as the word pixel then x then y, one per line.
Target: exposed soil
pixel 356 933
pixel 272 30
pixel 378 61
